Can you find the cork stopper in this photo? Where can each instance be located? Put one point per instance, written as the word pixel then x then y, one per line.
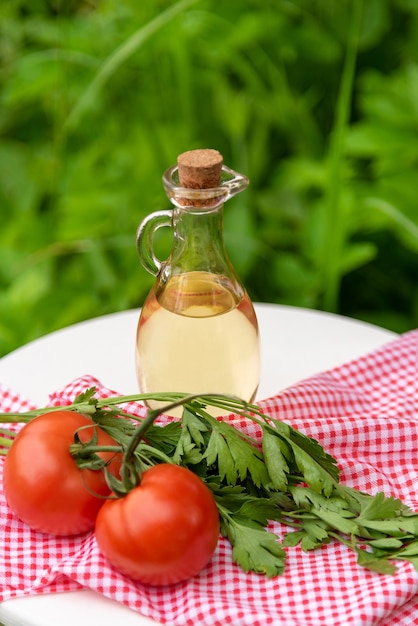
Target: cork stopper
pixel 200 169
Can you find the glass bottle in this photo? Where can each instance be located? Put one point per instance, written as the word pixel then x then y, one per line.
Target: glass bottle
pixel 197 332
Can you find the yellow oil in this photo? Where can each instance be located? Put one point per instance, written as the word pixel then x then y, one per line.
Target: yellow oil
pixel 198 337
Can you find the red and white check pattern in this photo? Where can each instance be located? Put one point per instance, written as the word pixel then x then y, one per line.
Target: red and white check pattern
pixel 365 414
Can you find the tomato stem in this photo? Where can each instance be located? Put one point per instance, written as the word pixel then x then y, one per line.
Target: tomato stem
pixel 130 474
pixel 85 450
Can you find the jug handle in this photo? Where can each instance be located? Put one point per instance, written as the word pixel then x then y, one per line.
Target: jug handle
pixel 145 239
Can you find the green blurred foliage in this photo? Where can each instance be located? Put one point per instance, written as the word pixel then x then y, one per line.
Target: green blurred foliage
pixel 316 101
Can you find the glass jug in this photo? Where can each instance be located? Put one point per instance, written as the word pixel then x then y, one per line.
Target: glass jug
pixel 197 331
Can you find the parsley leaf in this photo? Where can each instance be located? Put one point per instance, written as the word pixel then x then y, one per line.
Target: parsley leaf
pixel 256 550
pixel 243 521
pixel 235 454
pixel 317 468
pixel 276 454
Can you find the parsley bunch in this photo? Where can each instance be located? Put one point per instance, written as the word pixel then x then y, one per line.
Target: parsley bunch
pixel 285 477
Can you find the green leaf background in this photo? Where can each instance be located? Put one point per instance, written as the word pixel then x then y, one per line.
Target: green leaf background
pixel 316 102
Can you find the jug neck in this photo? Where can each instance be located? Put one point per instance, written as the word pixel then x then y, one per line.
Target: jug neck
pixel 198 223
pixel 199 241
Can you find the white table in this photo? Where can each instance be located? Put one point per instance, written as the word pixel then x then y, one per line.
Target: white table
pixel 296 343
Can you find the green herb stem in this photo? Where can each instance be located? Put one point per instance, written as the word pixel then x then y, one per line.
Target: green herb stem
pixel 5 444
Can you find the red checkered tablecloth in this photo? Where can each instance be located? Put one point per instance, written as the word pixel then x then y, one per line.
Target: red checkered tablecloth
pixel 364 413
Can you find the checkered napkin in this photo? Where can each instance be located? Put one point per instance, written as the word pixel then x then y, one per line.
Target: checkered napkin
pixel 365 414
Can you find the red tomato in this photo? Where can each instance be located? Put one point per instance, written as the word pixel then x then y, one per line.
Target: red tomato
pixel 42 483
pixel 164 531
